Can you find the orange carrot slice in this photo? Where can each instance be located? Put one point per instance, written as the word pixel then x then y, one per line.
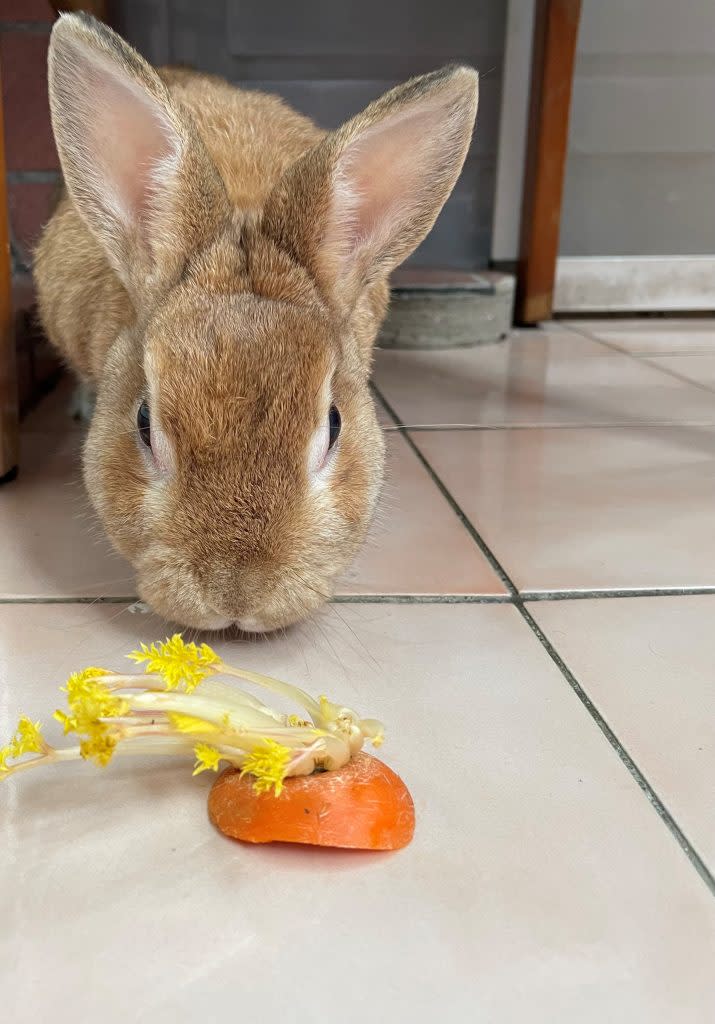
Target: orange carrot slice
pixel 362 806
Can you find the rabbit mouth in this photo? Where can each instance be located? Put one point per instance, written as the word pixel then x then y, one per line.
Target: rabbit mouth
pixel 251 624
pixel 216 623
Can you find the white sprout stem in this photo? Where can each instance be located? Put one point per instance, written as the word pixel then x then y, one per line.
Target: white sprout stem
pixel 142 744
pixel 229 721
pixel 299 760
pixel 137 737
pixel 134 745
pixel 198 706
pixel 246 740
pixel 132 682
pixel 276 686
pixel 155 684
pixel 50 756
pixel 215 688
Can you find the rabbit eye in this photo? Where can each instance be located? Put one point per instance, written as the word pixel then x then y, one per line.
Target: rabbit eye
pixel 334 423
pixel 144 424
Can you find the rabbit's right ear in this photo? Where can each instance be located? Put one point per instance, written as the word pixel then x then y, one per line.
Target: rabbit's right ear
pixel 136 169
pixel 357 204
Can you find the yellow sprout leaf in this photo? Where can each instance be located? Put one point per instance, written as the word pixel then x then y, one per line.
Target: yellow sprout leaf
pixel 98 746
pixel 207 759
pixel 27 739
pixel 188 723
pixel 268 762
pixel 78 681
pixel 89 701
pixel 68 722
pixel 177 662
pixel 295 722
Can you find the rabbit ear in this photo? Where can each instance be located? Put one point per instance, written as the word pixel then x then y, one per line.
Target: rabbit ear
pixel 360 202
pixel 135 168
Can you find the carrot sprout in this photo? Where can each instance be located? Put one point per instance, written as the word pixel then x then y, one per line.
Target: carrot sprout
pixel 174 708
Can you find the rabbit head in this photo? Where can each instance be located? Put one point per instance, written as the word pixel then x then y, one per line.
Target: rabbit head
pixel 234 456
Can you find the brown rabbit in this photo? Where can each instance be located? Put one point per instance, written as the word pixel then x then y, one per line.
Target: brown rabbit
pixel 217 275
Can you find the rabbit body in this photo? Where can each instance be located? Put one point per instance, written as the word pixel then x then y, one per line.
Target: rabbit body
pixel 217 272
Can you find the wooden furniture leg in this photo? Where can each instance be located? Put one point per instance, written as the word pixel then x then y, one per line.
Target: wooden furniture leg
pixel 9 425
pixel 555 38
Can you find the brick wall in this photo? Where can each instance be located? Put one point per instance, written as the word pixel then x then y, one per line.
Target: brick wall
pixel 32 171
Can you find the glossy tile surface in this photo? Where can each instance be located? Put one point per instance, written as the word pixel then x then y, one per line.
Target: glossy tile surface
pixel 647 663
pixel 586 509
pixel 417 545
pixel 540 883
pixel 51 545
pixel 697 368
pixel 553 378
pixel 652 335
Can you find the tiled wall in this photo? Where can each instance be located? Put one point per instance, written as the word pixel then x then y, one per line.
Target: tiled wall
pixel 32 169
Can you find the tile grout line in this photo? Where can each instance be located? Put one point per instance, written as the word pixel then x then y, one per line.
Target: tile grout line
pixel 336 599
pixel 529 596
pixel 514 427
pixel 464 520
pixel 646 359
pixel 525 597
pixel 635 772
pixel 421 599
pixel 608 733
pixel 76 599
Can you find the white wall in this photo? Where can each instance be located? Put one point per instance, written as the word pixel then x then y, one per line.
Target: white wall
pixel 640 177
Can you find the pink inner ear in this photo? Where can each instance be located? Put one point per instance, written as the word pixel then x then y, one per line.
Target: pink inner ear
pixel 384 180
pixel 135 143
pixel 121 131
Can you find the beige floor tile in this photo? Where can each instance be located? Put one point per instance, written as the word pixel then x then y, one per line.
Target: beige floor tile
pixel 653 336
pixel 556 379
pixel 53 414
pixel 647 663
pixel 587 509
pixel 50 543
pixel 417 545
pixel 698 368
pixel 540 885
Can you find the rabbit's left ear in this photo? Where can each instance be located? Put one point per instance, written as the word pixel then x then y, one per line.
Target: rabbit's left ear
pixel 135 167
pixel 356 205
